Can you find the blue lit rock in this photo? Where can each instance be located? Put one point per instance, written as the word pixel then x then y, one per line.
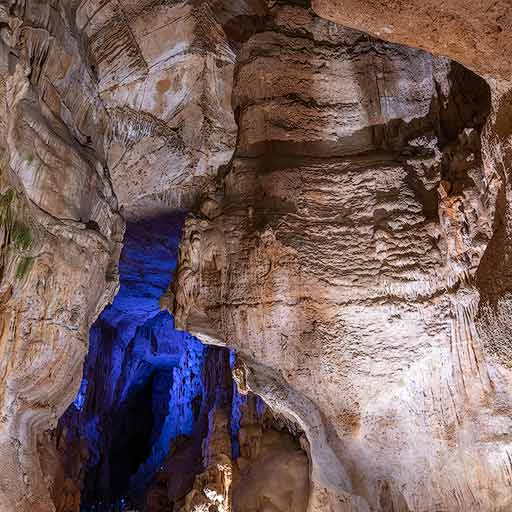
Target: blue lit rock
pixel 155 405
pixel 145 384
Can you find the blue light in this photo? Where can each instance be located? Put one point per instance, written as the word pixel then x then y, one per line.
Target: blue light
pixel 145 384
pixel 80 397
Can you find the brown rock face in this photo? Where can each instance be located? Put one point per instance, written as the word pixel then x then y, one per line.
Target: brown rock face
pixel 60 236
pixel 165 76
pixel 355 215
pixel 475 34
pixel 351 239
pixel 73 77
pixel 271 473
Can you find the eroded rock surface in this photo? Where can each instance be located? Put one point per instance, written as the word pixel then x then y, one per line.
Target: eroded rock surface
pixel 472 33
pixel 270 472
pixel 342 268
pixel 352 241
pixel 165 72
pixel 60 235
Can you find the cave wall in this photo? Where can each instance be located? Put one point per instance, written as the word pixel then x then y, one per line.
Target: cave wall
pixel 474 34
pixel 60 234
pixel 134 410
pixel 158 413
pixel 61 228
pixel 144 384
pixel 68 131
pixel 341 260
pixel 164 73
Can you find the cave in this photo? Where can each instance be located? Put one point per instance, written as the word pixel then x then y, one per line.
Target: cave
pixel 133 438
pixel 145 385
pixel 255 256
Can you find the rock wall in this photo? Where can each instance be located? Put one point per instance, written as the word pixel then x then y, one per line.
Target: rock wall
pixel 353 249
pixel 342 260
pixel 157 420
pixel 164 72
pixel 144 385
pixel 271 473
pixel 70 116
pixel 60 234
pixel 474 34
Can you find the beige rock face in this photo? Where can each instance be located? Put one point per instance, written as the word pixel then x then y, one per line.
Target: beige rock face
pixel 354 249
pixel 271 473
pixel 60 237
pixel 356 213
pixel 74 120
pixel 165 75
pixel 212 488
pixel 472 33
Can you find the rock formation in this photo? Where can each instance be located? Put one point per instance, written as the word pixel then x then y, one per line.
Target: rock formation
pixel 269 474
pixel 61 235
pixel 349 239
pixel 164 75
pixel 158 422
pixel 474 34
pixel 355 217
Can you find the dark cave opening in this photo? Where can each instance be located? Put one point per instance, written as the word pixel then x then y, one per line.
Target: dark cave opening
pixel 147 389
pixel 131 436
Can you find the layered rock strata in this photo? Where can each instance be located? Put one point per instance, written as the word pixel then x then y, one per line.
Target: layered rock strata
pixel 342 263
pixel 70 117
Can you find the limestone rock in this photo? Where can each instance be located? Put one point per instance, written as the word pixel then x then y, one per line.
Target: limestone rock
pixel 272 477
pixel 60 237
pixel 350 239
pixel 357 212
pixel 164 73
pixel 270 474
pixel 474 34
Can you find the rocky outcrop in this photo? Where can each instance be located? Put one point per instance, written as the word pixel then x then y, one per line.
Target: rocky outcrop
pixel 144 385
pixel 341 263
pixel 70 117
pixel 153 422
pixel 165 73
pixel 212 488
pixel 474 34
pixel 270 472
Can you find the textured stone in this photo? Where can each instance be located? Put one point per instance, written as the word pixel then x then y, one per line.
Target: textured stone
pixel 472 33
pixel 165 75
pixel 351 239
pixel 60 237
pixel 342 270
